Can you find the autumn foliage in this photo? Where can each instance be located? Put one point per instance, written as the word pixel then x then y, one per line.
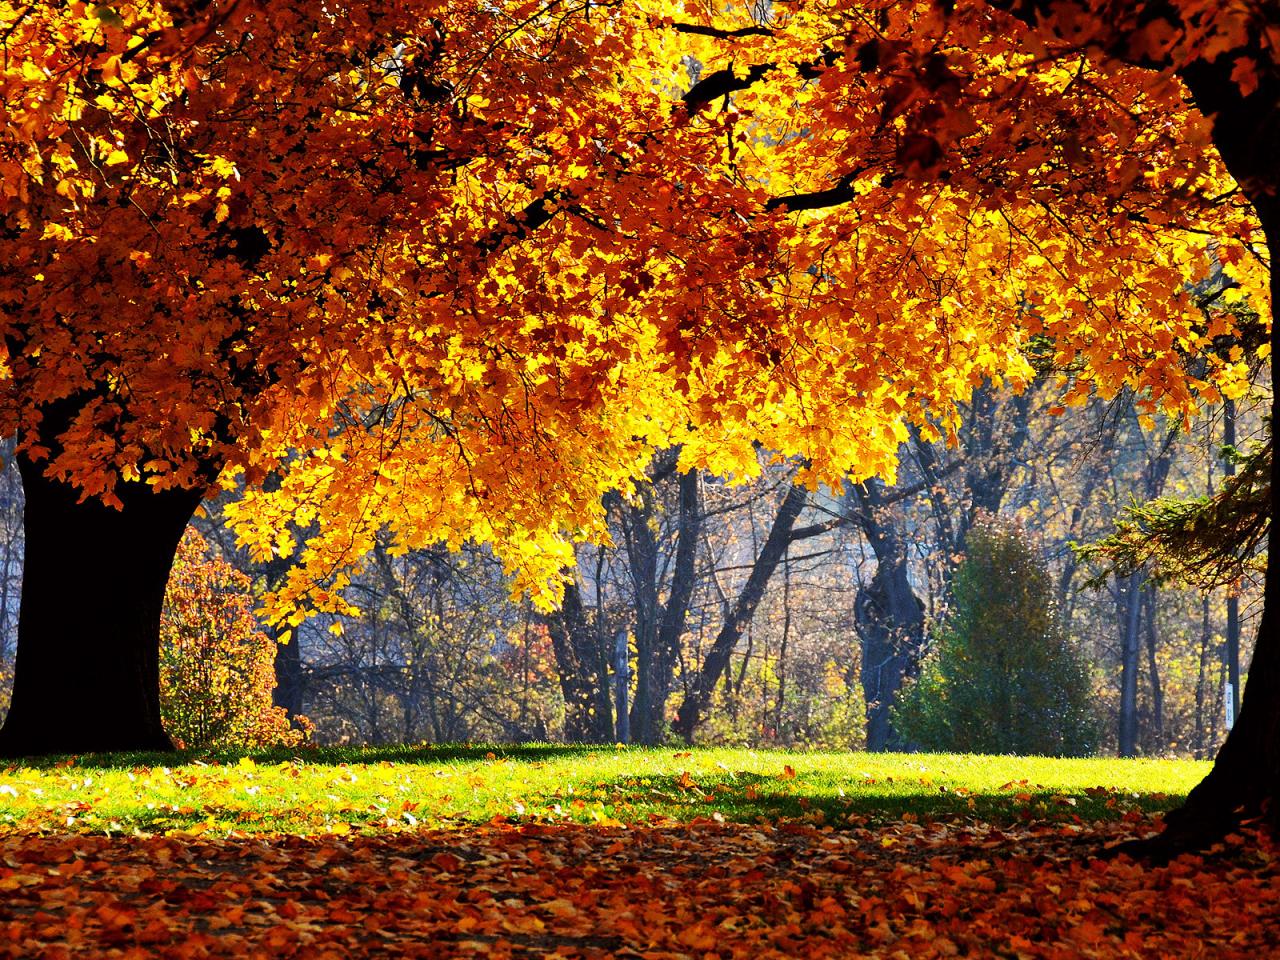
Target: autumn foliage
pixel 512 250
pixel 775 891
pixel 447 272
pixel 216 664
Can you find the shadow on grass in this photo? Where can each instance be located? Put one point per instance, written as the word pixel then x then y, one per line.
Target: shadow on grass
pixel 653 806
pixel 749 798
pixel 331 756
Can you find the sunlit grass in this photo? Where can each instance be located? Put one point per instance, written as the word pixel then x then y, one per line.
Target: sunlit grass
pixel 341 790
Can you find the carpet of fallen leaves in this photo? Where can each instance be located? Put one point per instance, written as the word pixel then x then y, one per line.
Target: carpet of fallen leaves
pixel 701 890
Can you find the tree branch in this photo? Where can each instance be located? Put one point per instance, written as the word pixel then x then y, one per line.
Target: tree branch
pixel 720 33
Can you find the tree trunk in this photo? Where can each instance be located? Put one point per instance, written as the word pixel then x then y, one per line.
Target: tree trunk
pixel 703 683
pixel 1232 652
pixel 1155 735
pixel 87 675
pixel 1202 675
pixel 642 564
pixel 288 669
pixel 659 626
pixel 1131 611
pixel 622 684
pixel 583 672
pixel 1245 779
pixel 889 615
pixel 891 625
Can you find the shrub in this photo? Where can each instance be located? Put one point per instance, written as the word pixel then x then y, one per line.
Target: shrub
pixel 1002 676
pixel 216 665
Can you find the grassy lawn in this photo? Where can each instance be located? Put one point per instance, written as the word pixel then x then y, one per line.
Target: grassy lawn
pixel 347 790
pixel 342 790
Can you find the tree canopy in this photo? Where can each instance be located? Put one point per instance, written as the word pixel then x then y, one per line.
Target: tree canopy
pixel 457 270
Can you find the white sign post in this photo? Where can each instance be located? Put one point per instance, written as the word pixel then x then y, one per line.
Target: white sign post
pixel 1229 700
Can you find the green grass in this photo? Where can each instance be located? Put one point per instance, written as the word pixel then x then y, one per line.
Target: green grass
pixel 341 790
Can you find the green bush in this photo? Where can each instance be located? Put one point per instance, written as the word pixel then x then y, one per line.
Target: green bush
pixel 1002 676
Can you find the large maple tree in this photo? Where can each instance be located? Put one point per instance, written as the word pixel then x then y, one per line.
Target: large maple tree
pixel 452 271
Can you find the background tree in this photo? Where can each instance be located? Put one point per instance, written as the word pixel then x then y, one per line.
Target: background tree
pixel 216 665
pixel 1002 676
pixel 438 653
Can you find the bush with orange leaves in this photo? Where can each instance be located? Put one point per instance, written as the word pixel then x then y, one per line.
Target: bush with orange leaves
pixel 216 664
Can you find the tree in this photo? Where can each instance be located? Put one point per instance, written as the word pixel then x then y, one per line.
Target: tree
pixel 202 312
pixel 659 622
pixel 1209 541
pixel 890 617
pixel 437 654
pixel 782 533
pixel 1002 677
pixel 216 665
pixel 464 292
pixel 1228 60
pixel 582 664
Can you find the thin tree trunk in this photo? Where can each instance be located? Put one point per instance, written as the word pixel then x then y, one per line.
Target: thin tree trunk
pixel 1232 651
pixel 1202 677
pixel 782 652
pixel 1153 669
pixel 87 672
pixel 698 699
pixel 622 681
pixel 1129 648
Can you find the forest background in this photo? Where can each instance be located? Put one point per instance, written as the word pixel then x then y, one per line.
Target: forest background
pixel 821 603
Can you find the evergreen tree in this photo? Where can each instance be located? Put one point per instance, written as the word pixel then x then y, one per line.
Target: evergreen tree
pixel 1002 676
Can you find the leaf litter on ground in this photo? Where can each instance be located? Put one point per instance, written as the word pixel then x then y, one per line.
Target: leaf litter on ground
pixel 655 854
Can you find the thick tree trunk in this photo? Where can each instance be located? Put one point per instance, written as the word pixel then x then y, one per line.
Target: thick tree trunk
pixel 889 615
pixel 891 624
pixel 1245 779
pixel 87 676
